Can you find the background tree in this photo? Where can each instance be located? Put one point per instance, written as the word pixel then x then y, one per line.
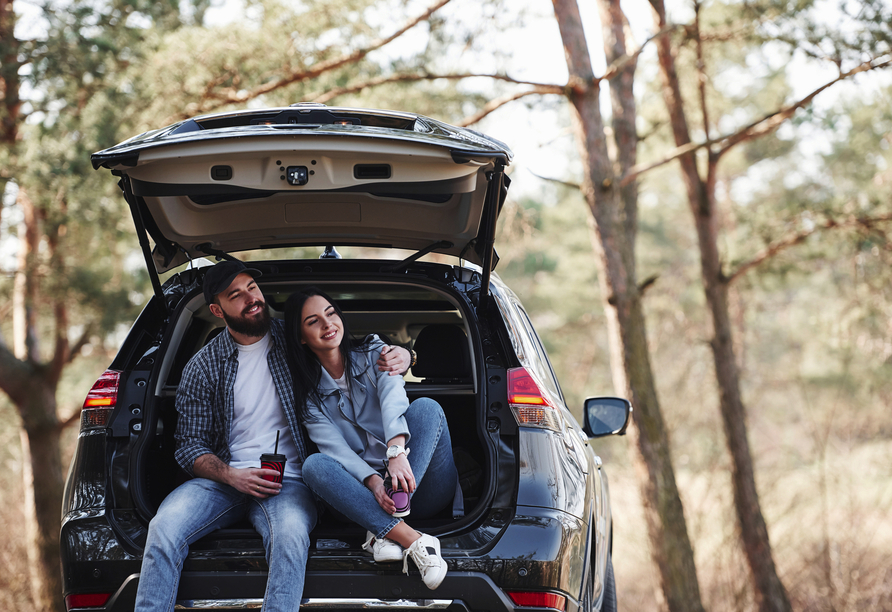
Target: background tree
pixel 139 65
pixel 85 73
pixel 701 192
pixel 614 211
pixel 70 287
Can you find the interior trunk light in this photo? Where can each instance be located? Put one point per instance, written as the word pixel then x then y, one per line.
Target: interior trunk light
pixel 538 600
pixel 529 405
pixel 100 401
pixel 86 600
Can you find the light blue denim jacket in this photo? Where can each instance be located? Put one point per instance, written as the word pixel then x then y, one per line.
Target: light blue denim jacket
pixel 338 426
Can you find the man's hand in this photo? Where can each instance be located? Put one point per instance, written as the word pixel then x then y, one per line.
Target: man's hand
pixel 394 359
pixel 251 482
pixel 248 480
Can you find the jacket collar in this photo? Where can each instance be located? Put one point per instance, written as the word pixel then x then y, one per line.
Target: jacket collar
pixel 327 384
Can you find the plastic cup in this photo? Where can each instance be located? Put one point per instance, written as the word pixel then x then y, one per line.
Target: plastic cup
pixel 273 461
pixel 400 499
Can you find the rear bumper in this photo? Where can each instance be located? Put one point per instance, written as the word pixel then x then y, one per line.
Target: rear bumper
pixel 538 550
pixel 459 592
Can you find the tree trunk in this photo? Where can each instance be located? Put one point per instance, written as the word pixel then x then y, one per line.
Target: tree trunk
pixel 9 74
pixel 614 245
pixel 32 387
pixel 10 102
pixel 43 495
pixel 770 593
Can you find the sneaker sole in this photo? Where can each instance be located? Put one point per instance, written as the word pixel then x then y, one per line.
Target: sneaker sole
pixel 379 558
pixel 441 573
pixel 439 577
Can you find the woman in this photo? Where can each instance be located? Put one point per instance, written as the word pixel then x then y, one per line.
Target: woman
pixel 361 420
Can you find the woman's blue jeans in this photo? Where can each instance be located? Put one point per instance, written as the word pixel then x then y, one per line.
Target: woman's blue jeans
pixel 200 506
pixel 431 462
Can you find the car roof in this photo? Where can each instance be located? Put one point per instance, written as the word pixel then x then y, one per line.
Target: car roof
pixel 309 175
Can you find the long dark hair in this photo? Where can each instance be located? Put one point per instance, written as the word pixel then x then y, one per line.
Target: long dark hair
pixel 306 371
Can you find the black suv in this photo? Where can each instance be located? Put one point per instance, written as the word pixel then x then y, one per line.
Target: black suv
pixel 536 534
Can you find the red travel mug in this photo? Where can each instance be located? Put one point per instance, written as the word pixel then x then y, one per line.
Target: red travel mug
pixel 273 461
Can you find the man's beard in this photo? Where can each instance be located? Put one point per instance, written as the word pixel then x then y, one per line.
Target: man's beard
pixel 254 327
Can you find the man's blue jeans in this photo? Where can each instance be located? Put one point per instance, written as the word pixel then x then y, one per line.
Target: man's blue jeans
pixel 431 461
pixel 198 507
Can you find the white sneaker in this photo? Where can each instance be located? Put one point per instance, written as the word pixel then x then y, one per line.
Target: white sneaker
pixel 425 553
pixel 382 548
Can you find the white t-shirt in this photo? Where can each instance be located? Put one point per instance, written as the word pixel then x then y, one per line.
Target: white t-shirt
pixel 258 412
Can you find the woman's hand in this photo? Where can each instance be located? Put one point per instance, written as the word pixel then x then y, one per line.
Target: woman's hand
pixel 401 472
pixel 376 485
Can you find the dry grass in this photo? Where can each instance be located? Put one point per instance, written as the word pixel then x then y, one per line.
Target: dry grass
pixel 15 593
pixel 830 525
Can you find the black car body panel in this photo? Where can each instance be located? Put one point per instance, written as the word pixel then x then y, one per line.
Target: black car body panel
pixel 537 518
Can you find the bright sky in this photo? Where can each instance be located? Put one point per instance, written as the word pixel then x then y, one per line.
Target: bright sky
pixel 538 135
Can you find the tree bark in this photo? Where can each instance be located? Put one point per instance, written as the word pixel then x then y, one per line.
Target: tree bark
pixel 9 74
pixel 10 102
pixel 32 387
pixel 30 384
pixel 43 487
pixel 613 216
pixel 770 593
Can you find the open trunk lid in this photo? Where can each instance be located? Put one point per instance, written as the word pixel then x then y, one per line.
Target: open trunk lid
pixel 311 175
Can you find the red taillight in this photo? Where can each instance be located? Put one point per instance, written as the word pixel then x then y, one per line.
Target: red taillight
pixel 522 389
pixel 538 600
pixel 86 600
pixel 101 400
pixel 530 407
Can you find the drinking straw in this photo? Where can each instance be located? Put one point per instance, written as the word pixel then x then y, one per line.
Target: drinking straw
pixel 276 451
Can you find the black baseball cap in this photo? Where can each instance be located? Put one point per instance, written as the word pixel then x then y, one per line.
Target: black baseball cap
pixel 220 276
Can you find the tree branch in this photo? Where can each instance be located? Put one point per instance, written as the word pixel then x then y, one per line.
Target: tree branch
pixel 81 342
pixel 763 126
pixel 799 237
pixel 15 376
pixel 771 122
pixel 70 420
pixel 497 103
pixel 576 186
pixel 235 96
pixel 418 76
pixel 701 70
pixel 621 62
pixel 681 151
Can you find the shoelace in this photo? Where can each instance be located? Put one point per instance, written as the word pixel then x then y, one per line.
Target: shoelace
pixel 426 560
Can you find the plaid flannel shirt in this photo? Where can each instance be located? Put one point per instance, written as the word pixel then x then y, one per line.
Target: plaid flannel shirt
pixel 206 403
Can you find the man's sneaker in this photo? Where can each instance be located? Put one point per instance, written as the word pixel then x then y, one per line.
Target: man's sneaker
pixel 425 553
pixel 382 548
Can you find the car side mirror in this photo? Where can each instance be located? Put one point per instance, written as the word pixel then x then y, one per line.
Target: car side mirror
pixel 603 416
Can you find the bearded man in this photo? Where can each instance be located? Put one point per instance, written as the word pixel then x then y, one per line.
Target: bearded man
pixel 234 401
